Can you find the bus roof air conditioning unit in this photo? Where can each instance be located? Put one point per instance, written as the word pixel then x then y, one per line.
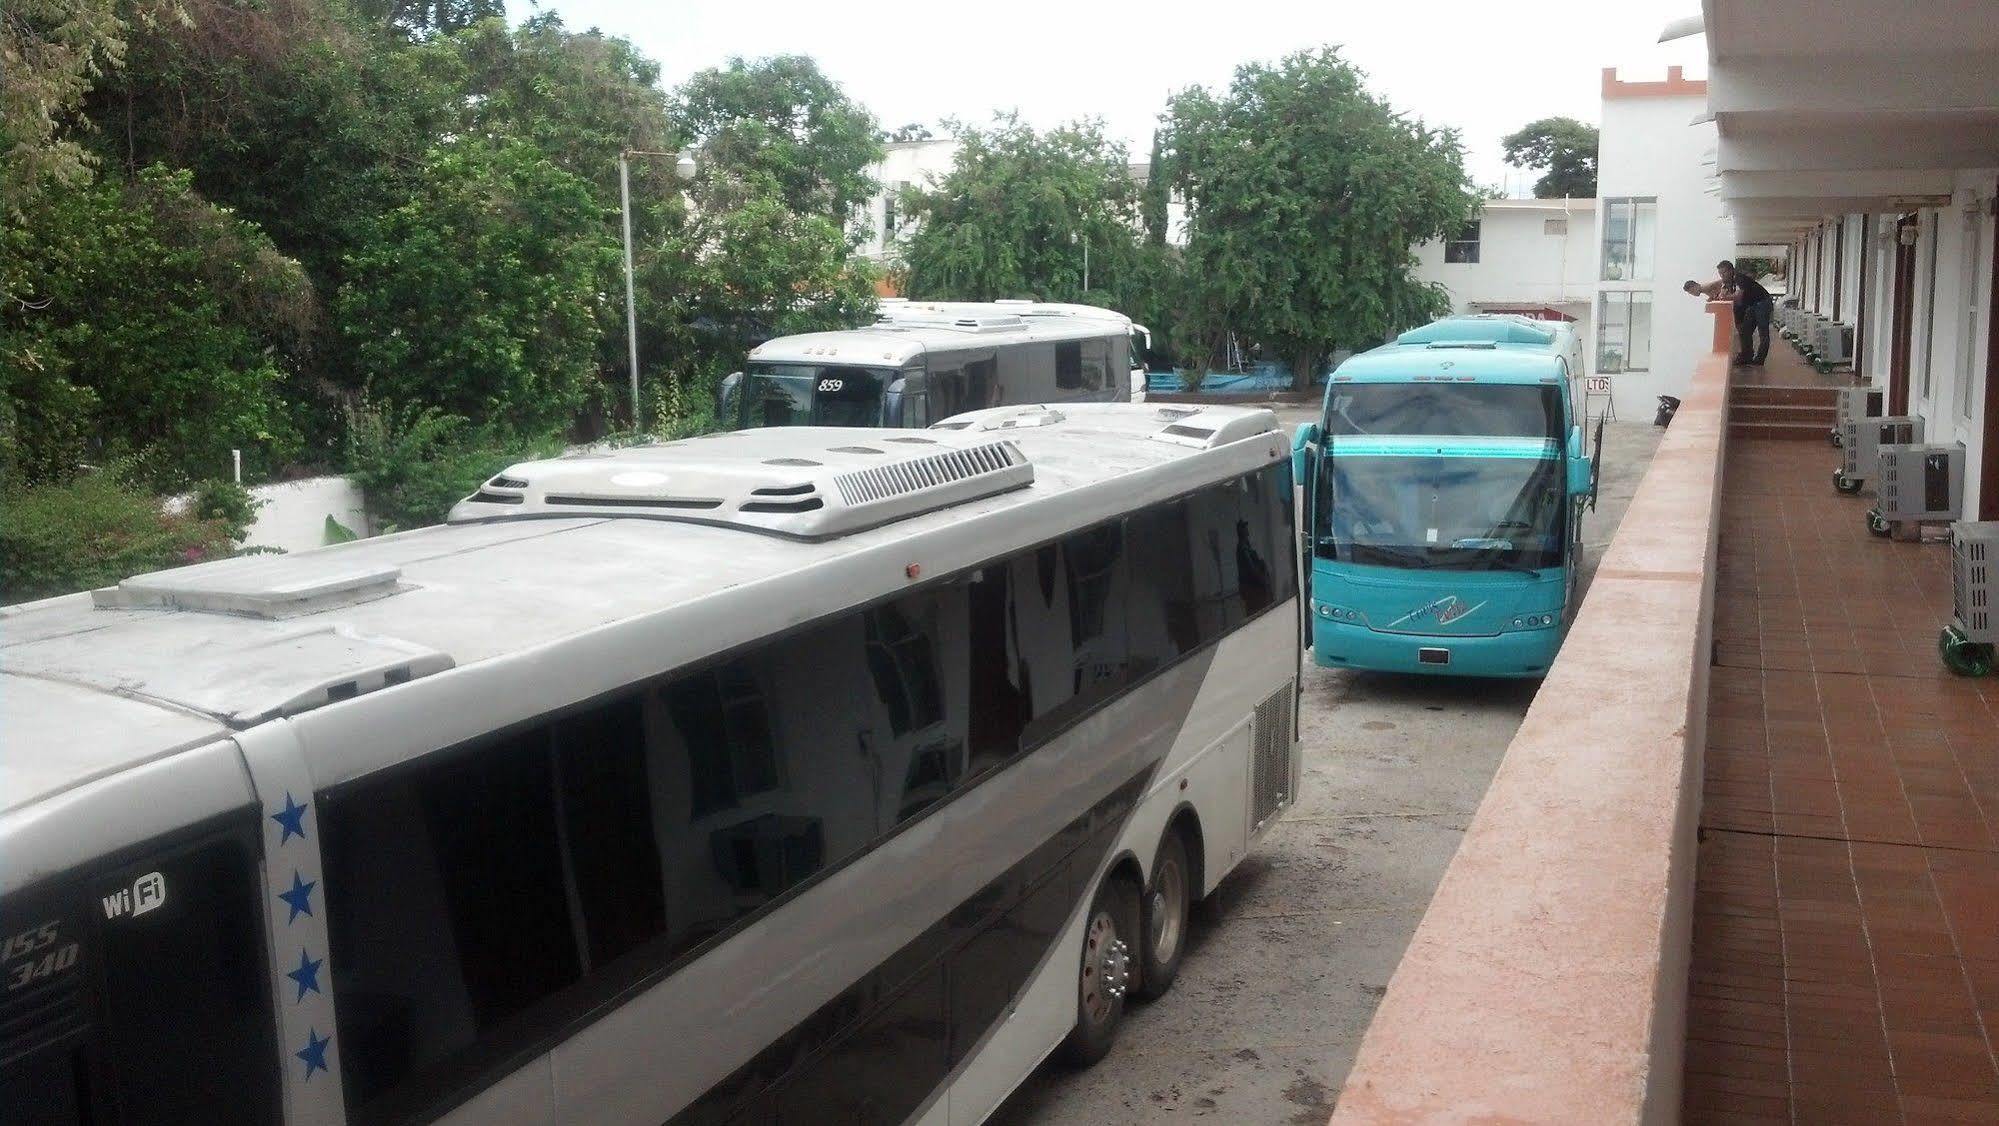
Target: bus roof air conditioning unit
pixel 1862 442
pixel 1923 483
pixel 1854 405
pixel 1968 643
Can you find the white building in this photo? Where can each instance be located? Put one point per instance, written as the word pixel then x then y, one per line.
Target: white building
pixel 1659 225
pixel 906 164
pixel 1531 256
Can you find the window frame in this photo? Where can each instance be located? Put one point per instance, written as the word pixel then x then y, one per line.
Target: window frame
pixel 1463 250
pixel 1626 266
pixel 1630 299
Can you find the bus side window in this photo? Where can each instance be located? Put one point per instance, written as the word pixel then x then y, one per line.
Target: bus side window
pixel 1069 365
pixel 1096 364
pixel 1165 623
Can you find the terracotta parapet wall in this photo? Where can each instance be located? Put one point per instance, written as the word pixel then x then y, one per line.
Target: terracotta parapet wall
pixel 1676 85
pixel 1547 982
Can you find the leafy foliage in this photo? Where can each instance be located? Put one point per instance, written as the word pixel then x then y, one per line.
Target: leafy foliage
pixel 1016 211
pixel 780 122
pixel 414 463
pixel 93 531
pixel 142 320
pixel 1563 146
pixel 227 503
pixel 1304 195
pixel 479 296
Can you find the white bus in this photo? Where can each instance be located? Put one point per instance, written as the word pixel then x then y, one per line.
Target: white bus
pixel 923 362
pixel 772 776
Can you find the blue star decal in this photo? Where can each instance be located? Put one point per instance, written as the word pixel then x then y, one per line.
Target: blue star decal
pixel 291 819
pixel 299 898
pixel 314 1052
pixel 307 975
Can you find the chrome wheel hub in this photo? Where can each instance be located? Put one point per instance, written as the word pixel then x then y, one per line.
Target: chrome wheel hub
pixel 1106 968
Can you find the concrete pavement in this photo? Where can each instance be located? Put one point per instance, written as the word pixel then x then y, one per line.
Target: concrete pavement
pixel 1287 960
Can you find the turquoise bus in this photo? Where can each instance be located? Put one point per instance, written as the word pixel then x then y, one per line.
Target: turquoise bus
pixel 1445 485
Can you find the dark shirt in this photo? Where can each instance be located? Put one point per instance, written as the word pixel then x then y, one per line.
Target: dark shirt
pixel 1748 291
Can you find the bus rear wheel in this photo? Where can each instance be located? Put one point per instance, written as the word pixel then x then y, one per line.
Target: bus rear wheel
pixel 1167 906
pixel 1105 972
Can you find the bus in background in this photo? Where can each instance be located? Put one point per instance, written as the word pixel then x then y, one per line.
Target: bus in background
pixel 1444 486
pixel 924 362
pixel 1510 331
pixel 788 775
pixel 893 308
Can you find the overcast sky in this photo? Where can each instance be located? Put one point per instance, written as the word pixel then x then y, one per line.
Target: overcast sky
pixel 1485 68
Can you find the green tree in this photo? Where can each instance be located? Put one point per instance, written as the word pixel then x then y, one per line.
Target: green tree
pixel 1563 146
pixel 1304 195
pixel 51 52
pixel 1016 212
pixel 781 121
pixel 914 131
pixel 285 113
pixel 480 295
pixel 424 18
pixel 144 321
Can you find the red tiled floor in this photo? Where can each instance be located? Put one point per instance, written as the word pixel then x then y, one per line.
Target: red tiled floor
pixel 1846 930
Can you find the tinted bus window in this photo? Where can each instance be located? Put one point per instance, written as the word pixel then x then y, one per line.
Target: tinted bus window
pixel 1522 410
pixel 1161 608
pixel 141 994
pixel 813 395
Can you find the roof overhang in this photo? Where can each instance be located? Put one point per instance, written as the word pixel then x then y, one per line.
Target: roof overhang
pixel 1824 107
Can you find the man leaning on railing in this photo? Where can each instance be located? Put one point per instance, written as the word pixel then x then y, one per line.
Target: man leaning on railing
pixel 1753 309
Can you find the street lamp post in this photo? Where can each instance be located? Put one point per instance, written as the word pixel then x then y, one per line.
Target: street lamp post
pixel 631 302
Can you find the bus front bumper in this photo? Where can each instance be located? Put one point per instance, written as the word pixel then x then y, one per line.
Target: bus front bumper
pixel 1520 653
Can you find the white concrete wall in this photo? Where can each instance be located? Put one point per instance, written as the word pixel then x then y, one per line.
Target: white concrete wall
pixel 294 514
pixel 1520 263
pixel 1651 147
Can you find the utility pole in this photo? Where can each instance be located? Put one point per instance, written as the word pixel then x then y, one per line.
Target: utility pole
pixel 631 304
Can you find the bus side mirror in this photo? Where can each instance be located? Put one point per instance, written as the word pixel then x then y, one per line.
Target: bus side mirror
pixel 725 398
pixel 1304 447
pixel 1579 476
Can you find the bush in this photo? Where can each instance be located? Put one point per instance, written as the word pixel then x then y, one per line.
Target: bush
pixel 414 463
pixel 92 531
pixel 227 502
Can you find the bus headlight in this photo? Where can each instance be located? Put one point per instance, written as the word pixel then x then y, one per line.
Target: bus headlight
pixel 1338 613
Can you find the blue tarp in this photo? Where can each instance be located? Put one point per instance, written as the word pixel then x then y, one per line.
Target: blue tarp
pixel 1262 378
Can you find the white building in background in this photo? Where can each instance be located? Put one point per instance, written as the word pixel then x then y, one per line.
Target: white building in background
pixel 906 164
pixel 1535 257
pixel 1659 224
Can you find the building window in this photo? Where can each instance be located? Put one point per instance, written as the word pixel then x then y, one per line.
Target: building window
pixel 1624 332
pixel 890 199
pixel 1629 229
pixel 1557 227
pixel 1463 248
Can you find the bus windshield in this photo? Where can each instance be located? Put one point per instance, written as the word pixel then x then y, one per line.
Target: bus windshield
pixel 1446 511
pixel 1458 410
pixel 811 395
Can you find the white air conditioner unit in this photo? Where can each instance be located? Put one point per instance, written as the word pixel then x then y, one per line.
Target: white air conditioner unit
pixel 1968 642
pixel 1853 405
pixel 1918 482
pixel 1832 342
pixel 1862 440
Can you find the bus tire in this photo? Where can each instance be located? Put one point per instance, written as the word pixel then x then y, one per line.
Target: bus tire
pixel 1168 906
pixel 1105 969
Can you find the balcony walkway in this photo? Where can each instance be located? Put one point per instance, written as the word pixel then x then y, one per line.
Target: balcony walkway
pixel 1846 933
